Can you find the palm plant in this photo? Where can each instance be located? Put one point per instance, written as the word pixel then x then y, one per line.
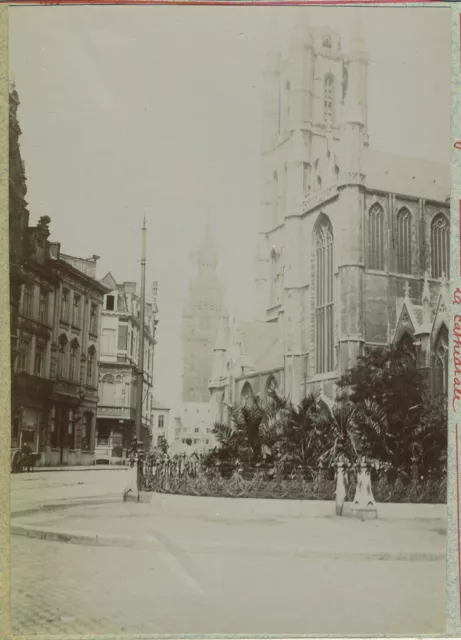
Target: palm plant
pixel 305 432
pixel 344 433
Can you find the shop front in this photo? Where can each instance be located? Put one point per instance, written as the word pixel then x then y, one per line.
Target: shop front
pixel 115 428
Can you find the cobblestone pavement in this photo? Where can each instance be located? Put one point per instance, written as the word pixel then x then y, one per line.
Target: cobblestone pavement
pixel 62 588
pixel 217 575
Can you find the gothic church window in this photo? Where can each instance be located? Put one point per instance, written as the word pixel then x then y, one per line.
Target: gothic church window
pixel 324 328
pixel 440 246
pixel 246 397
pixel 328 98
pixel 403 245
pixel 376 238
pixel 441 361
pixel 271 387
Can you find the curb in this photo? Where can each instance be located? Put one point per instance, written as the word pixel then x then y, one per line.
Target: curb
pixel 58 506
pixel 111 467
pixel 131 542
pixel 247 508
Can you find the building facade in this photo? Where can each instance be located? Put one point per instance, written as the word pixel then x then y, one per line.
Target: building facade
pixel 118 375
pixel 201 318
pixel 193 428
pixel 350 237
pixel 54 381
pixel 161 428
pixel 18 220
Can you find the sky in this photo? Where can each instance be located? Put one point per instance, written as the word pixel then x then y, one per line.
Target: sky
pixel 133 111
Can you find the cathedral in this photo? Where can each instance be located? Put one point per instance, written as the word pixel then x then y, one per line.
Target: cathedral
pixel 353 243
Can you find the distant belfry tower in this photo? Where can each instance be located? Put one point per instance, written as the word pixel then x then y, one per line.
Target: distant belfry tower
pixel 201 319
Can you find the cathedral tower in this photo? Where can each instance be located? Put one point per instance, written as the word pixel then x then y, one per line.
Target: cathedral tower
pixel 201 319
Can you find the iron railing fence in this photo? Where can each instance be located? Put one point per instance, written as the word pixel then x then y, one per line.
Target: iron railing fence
pixel 190 477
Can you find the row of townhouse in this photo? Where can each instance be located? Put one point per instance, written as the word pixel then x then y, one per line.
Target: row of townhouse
pixel 74 344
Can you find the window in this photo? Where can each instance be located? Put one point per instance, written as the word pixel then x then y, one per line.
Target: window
pixel 76 311
pixel 65 305
pixel 27 300
pixel 39 363
pixel 161 422
pixel 23 355
pixel 441 361
pixel 62 355
pixel 440 246
pixel 108 391
pixel 90 366
pixel 43 307
pixel 123 337
pixel 207 442
pixel 328 100
pixel 403 244
pixel 94 320
pixel 271 387
pixel 324 338
pixel 103 435
pixel 160 439
pixel 196 430
pixel 73 361
pixel 376 238
pixel 327 42
pixel 86 432
pixel 110 303
pixel 246 397
pixel 108 341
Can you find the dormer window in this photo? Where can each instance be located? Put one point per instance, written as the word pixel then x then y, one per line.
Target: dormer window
pixel 327 42
pixel 110 303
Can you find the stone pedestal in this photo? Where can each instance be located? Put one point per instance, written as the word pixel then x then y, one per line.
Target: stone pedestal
pixel 132 490
pixel 364 505
pixel 340 491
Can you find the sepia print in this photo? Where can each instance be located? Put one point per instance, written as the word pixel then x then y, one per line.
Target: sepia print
pixel 229 286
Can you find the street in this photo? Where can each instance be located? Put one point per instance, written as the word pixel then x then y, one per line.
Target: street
pixel 187 574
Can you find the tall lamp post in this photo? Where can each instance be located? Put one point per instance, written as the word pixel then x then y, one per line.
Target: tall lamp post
pixel 139 403
pixel 134 478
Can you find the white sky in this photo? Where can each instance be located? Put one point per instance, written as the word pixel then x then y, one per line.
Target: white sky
pixel 156 111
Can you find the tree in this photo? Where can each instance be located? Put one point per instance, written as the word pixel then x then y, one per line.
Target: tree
pixel 398 420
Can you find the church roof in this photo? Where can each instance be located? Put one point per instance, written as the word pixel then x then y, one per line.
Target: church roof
pixel 409 176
